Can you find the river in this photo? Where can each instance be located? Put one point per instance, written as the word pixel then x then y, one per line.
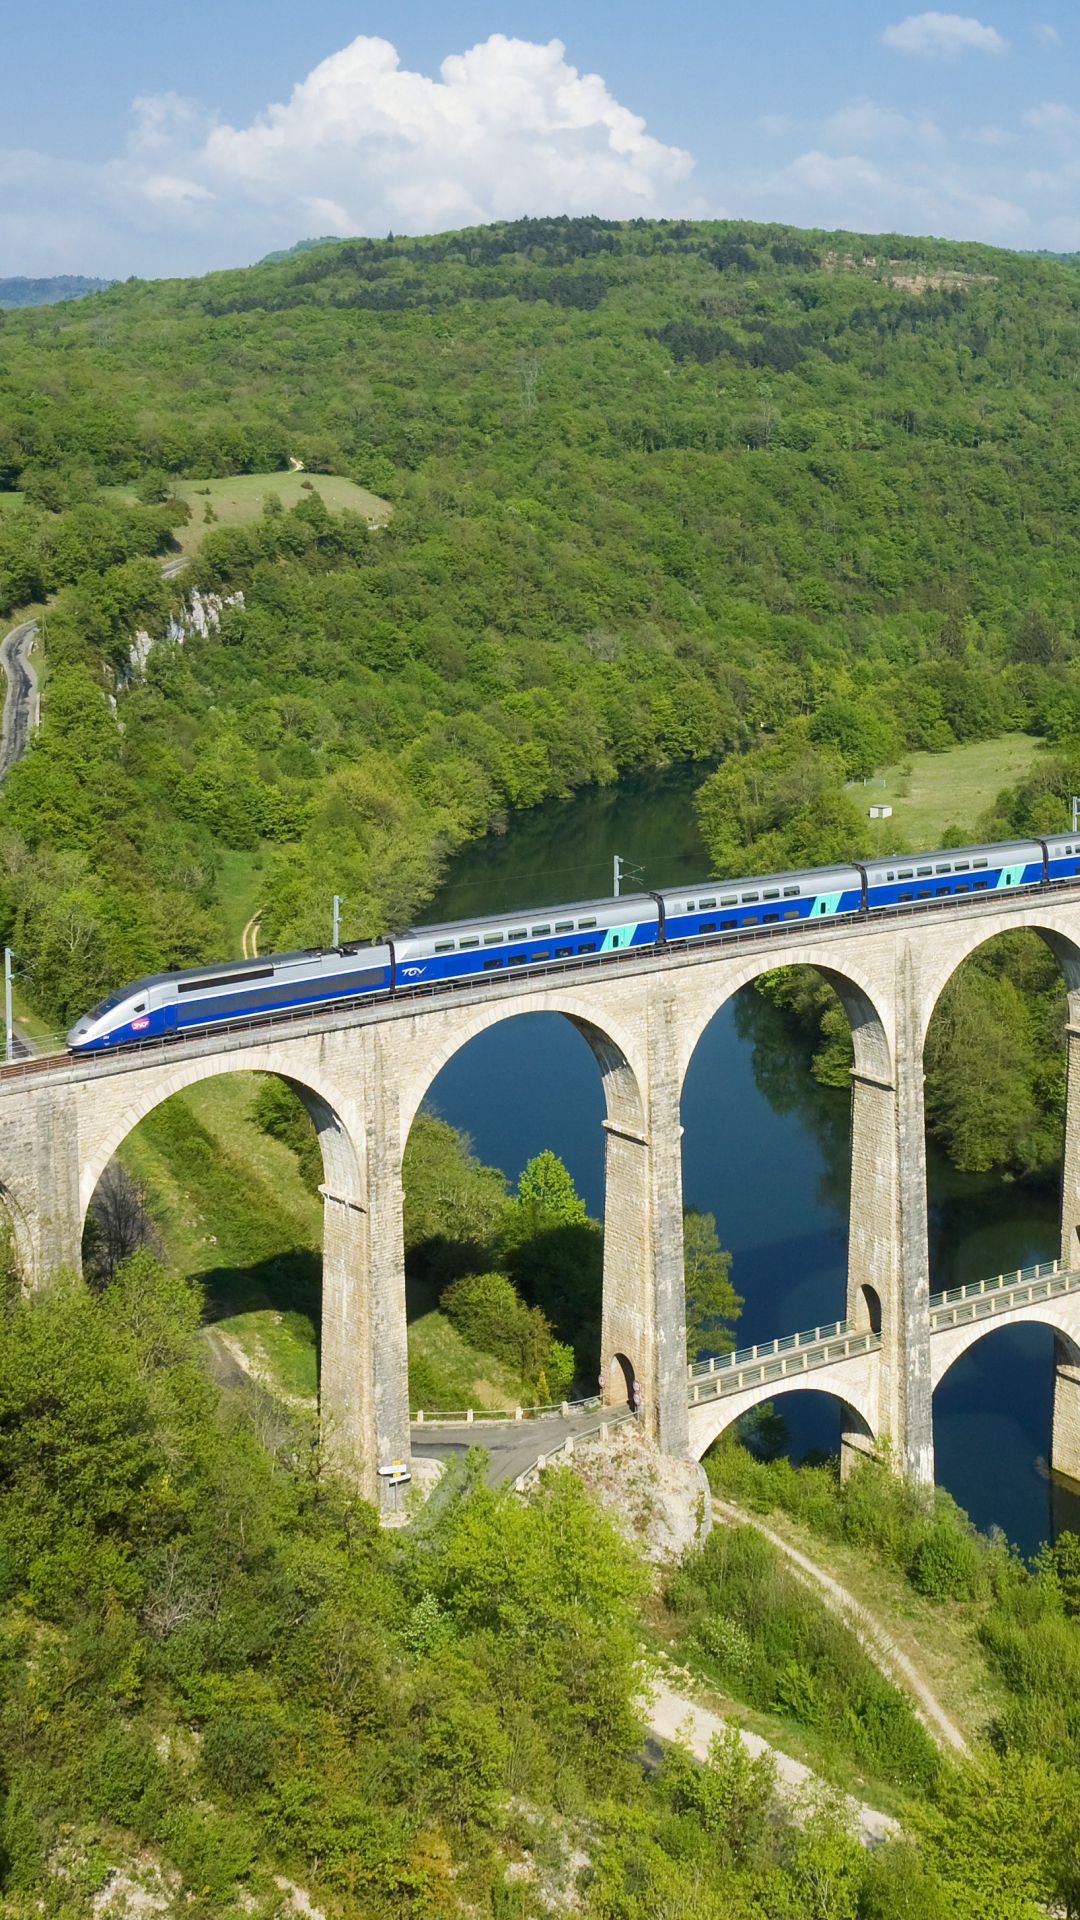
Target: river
pixel 765 1150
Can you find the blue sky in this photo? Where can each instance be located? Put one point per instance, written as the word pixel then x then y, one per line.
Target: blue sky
pixel 156 141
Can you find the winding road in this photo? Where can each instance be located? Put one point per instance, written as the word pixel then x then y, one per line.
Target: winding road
pixel 21 701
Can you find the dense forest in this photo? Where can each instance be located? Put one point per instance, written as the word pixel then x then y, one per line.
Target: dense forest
pixel 659 491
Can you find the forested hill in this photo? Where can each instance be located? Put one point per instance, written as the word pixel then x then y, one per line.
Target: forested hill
pixel 659 490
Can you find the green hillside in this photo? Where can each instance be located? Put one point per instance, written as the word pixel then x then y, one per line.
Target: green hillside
pixel 658 490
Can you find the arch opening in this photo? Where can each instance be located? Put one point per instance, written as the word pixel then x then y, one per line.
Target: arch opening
pixel 868 1309
pixel 767 1118
pixel 622 1382
pixel 1006 1417
pixel 226 1180
pixel 810 1426
pixel 1000 1175
pixel 509 1286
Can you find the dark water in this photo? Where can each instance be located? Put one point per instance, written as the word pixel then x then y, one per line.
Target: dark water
pixel 765 1149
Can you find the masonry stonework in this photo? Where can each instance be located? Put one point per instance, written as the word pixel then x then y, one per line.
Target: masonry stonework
pixel 363 1074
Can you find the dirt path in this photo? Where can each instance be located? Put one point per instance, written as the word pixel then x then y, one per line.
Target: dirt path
pixel 674 1717
pixel 885 1654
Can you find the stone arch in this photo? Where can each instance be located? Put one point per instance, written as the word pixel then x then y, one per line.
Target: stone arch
pixel 712 1418
pixel 940 964
pixel 629 1312
pixel 870 1022
pixel 1062 1316
pixel 363 1398
pixel 609 1040
pixel 939 961
pixel 340 1160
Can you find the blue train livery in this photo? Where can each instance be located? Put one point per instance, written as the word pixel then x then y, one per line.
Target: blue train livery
pixel 165 1004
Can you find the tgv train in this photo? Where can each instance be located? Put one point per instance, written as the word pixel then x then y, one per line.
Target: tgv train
pixel 201 997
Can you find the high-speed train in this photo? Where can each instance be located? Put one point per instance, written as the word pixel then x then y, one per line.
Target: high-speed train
pixel 172 1003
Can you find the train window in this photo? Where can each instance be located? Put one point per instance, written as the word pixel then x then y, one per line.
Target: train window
pixel 749 896
pixel 539 930
pixel 770 916
pixel 791 913
pixel 517 933
pixel 921 870
pixel 707 926
pixel 904 896
pixel 726 926
pixel 923 893
pixel 772 893
pixel 582 924
pixel 942 889
pixel 947 869
pixel 444 946
pixel 473 942
pixel 976 884
pixel 563 953
pixel 961 887
pixel 492 939
pixel 564 926
pixel 702 904
pixel 890 876
pixel 791 893
pixel 961 866
pixel 978 863
pixel 541 953
pixel 587 946
pixel 488 964
pixel 689 907
pixel 750 920
pixel 141 1008
pixel 730 900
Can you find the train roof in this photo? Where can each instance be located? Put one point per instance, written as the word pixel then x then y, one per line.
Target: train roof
pixel 806 877
pixel 993 849
pixel 618 908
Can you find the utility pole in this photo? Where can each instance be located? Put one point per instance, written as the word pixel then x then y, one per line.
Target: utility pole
pixel 624 869
pixel 1076 808
pixel 337 919
pixel 9 1041
pixel 618 863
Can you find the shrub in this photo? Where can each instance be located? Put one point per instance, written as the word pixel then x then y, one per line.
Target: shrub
pixel 945 1566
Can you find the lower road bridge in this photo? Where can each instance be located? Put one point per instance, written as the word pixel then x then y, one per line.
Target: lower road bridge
pixel 838 1359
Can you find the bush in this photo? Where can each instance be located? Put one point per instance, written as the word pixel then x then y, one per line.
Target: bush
pixel 946 1565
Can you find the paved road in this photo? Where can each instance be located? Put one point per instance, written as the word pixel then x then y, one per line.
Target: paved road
pixel 513 1445
pixel 21 702
pixel 171 567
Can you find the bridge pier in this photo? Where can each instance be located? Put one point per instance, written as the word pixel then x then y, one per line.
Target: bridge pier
pixel 644 1305
pixel 364 1363
pixel 1065 1432
pixel 888 1255
pixel 1070 1170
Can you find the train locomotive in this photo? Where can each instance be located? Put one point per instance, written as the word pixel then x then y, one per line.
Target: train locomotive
pixel 165 1004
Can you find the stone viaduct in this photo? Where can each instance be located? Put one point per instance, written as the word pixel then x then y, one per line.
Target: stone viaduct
pixel 363 1073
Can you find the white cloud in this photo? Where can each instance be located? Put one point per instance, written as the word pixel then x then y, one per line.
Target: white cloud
pixel 508 128
pixel 1047 36
pixel 942 36
pixel 864 196
pixel 1059 124
pixel 862 125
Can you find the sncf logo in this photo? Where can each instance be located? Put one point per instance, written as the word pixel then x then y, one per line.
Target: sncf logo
pixel 138 1025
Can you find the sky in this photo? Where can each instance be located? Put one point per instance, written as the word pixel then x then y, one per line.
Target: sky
pixel 152 141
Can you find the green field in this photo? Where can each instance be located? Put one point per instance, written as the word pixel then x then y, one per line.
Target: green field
pixel 241 497
pixel 931 791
